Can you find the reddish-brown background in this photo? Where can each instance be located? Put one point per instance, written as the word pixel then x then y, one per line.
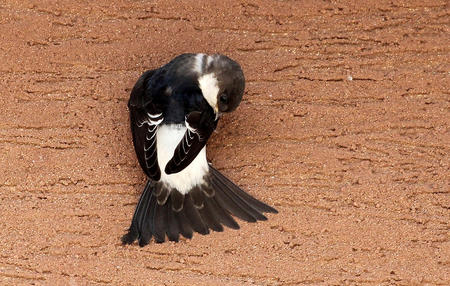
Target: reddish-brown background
pixel 344 128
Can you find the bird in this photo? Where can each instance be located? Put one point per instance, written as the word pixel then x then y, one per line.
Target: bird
pixel 174 110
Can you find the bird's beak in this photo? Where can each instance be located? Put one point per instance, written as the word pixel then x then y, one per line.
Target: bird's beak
pixel 218 115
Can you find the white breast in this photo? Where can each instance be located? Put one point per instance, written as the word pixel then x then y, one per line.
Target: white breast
pixel 167 139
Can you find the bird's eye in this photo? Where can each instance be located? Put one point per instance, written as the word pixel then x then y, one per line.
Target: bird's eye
pixel 224 98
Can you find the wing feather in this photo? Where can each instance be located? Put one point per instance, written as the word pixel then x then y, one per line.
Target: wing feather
pixel 145 116
pixel 200 126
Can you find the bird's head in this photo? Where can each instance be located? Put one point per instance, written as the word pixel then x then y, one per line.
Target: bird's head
pixel 222 83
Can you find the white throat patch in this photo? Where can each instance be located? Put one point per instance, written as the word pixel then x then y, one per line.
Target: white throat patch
pixel 209 86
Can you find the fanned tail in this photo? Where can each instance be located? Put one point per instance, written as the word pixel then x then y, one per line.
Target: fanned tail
pixel 163 212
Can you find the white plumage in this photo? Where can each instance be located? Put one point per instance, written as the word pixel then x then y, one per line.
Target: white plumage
pixel 168 137
pixel 210 89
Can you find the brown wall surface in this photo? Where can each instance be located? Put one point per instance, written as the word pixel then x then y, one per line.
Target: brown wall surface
pixel 344 128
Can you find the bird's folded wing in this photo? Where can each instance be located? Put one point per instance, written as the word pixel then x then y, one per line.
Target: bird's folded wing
pixel 145 118
pixel 200 126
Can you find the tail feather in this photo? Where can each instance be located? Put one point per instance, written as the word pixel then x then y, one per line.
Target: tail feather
pixel 222 215
pixel 145 231
pixel 160 223
pixel 177 200
pixel 194 217
pixel 240 204
pixel 209 216
pixel 133 231
pixel 197 196
pixel 185 226
pixel 163 212
pixel 231 205
pixel 173 229
pixel 245 205
pixel 258 205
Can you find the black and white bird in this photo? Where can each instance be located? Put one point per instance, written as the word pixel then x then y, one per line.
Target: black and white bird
pixel 173 112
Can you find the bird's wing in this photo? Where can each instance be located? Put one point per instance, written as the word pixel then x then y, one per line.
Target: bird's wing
pixel 145 116
pixel 200 126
